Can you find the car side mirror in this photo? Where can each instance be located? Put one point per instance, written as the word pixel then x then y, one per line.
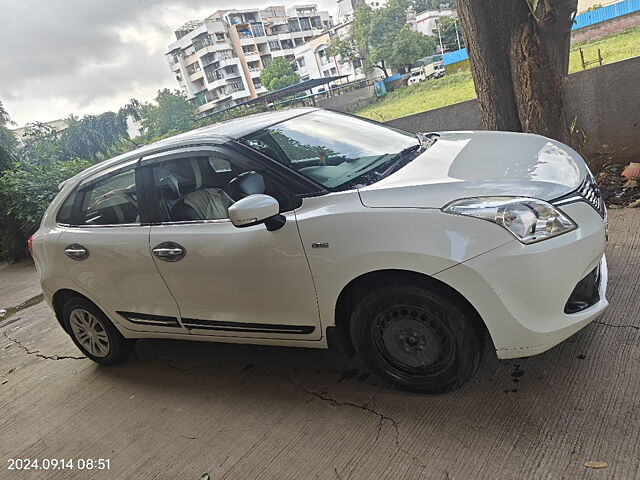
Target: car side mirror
pixel 257 209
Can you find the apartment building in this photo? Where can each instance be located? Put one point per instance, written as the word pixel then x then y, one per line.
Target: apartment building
pixel 313 61
pixel 426 22
pixel 218 61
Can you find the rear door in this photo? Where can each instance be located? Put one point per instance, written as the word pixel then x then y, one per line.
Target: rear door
pixel 106 253
pixel 228 281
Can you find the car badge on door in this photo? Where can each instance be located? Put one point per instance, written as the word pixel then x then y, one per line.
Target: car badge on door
pixel 320 245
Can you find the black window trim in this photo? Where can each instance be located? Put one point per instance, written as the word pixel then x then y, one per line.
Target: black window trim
pixel 200 149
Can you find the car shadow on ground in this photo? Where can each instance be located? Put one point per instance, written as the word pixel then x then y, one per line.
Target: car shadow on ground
pixel 173 364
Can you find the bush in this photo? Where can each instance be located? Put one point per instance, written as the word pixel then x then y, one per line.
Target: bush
pixel 25 193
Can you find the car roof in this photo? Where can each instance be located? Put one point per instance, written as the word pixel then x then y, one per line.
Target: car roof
pixel 217 133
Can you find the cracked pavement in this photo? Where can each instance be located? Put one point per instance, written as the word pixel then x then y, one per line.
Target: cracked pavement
pixel 176 410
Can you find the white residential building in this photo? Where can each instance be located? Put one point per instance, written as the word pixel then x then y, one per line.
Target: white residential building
pixel 346 8
pixel 312 60
pixel 218 61
pixel 426 22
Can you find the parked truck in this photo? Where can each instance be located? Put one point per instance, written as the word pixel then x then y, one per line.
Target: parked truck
pixel 432 70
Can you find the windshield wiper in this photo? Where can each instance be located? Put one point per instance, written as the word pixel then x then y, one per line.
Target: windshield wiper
pixel 425 140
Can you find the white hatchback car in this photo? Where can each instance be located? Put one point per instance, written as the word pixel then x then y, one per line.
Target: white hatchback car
pixel 309 228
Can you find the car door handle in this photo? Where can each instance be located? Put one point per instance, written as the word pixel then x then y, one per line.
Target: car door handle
pixel 169 252
pixel 77 252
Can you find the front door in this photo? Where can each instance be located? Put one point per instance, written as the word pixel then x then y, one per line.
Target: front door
pixel 228 281
pixel 106 253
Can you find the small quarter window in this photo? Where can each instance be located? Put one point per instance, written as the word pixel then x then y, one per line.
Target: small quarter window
pixel 112 201
pixel 66 209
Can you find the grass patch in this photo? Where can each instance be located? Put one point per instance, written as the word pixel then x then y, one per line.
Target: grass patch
pixel 614 48
pixel 458 87
pixel 426 95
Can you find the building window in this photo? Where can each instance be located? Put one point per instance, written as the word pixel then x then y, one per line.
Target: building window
pixel 258 30
pixel 294 26
pixel 219 37
pixel 322 55
pixel 305 24
pixel 274 45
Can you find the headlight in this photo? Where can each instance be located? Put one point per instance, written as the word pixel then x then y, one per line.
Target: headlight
pixel 530 220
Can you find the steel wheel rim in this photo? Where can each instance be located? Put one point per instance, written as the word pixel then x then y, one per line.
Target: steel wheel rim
pixel 89 332
pixel 413 340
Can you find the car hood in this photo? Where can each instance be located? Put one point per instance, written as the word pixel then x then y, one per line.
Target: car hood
pixel 480 163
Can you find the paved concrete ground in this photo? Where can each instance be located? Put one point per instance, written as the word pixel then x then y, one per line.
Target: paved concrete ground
pixel 179 409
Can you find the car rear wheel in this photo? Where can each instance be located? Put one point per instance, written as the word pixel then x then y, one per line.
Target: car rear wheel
pixel 93 333
pixel 416 337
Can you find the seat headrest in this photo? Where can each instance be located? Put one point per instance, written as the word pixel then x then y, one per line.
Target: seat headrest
pixel 170 187
pixel 247 183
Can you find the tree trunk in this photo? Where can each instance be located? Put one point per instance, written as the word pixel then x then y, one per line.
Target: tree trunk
pixel 519 62
pixel 383 68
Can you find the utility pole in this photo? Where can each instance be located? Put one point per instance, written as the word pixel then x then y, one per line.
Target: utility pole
pixel 455 25
pixel 440 37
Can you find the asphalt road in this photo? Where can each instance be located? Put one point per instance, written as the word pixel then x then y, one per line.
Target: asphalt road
pixel 179 409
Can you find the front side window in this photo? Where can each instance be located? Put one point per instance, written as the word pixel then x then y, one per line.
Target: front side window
pixel 112 201
pixel 203 187
pixel 330 148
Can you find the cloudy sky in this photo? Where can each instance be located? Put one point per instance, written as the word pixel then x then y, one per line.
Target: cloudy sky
pixel 89 56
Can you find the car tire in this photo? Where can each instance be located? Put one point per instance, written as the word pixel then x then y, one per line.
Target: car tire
pixel 93 333
pixel 419 338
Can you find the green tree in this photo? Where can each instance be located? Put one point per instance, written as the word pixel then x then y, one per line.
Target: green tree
pixel 27 190
pixel 7 140
pixel 30 181
pixel 41 144
pixel 410 46
pixel 92 136
pixel 519 57
pixel 450 32
pixel 173 113
pixel 381 39
pixel 278 74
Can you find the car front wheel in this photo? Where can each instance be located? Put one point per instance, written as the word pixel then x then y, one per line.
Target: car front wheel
pixel 417 338
pixel 93 333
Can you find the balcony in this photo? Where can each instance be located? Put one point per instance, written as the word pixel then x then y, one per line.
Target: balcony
pixel 252 56
pixel 282 53
pixel 238 94
pixel 216 82
pixel 228 61
pixel 215 48
pixel 190 59
pixel 255 72
pixel 247 41
pixel 197 75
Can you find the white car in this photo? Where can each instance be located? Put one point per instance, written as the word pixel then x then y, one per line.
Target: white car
pixel 308 228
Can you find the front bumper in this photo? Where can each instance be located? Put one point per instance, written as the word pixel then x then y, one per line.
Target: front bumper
pixel 521 291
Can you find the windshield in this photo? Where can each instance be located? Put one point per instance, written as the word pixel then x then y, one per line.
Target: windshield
pixel 330 148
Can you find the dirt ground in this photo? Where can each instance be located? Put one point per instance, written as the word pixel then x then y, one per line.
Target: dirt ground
pixel 179 409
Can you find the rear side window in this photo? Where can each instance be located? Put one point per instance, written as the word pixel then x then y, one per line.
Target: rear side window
pixel 66 210
pixel 112 201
